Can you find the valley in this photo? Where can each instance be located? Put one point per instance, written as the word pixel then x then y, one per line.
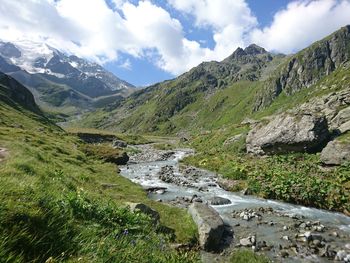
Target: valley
pixel 242 160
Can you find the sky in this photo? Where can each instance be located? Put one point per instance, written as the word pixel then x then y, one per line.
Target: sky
pixel 147 41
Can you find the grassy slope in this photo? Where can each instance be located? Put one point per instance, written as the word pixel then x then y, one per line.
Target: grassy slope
pixel 297 178
pixel 53 204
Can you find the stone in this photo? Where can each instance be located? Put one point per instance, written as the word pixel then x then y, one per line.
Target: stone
pixel 317 243
pixel 341 255
pixel 336 152
pixel 155 189
pixel 144 209
pixel 119 144
pixel 289 133
pixel 210 226
pixel 217 200
pixel 248 242
pixel 227 184
pixel 345 127
pixel 246 191
pixel 335 234
pixel 341 120
pixel 284 254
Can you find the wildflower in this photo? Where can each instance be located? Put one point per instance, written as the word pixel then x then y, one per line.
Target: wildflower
pixel 126 232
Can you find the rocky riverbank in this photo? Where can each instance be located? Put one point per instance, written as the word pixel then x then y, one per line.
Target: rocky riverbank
pixel 283 232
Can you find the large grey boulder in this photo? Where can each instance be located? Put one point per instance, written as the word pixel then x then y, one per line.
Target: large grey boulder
pixel 289 133
pixel 210 226
pixel 336 152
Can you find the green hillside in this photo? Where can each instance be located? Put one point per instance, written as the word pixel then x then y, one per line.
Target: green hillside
pixel 53 206
pixel 215 94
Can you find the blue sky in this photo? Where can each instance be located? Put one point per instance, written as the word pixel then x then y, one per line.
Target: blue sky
pixel 147 41
pixel 143 72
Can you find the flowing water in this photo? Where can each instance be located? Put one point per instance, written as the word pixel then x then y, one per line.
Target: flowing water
pixel 145 169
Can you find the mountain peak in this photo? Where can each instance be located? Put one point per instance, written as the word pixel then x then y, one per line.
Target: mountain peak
pixel 238 53
pixel 254 49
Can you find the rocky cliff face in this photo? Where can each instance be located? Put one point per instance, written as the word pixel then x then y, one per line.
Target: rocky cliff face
pixel 307 67
pixel 12 92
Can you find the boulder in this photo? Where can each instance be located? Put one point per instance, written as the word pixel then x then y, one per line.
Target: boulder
pixel 336 152
pixel 210 226
pixel 289 133
pixel 144 209
pixel 119 144
pixel 217 200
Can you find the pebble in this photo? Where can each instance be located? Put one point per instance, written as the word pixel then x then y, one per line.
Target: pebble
pixel 341 255
pixel 335 234
pixel 248 242
pixel 317 243
pixel 284 254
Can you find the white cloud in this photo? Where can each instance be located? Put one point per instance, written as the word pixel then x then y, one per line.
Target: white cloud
pixel 302 23
pixel 126 65
pixel 229 20
pixel 94 30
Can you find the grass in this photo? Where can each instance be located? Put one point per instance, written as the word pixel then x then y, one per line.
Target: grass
pixel 53 205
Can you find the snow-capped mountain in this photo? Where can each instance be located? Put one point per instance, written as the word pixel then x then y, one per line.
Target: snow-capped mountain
pixel 38 64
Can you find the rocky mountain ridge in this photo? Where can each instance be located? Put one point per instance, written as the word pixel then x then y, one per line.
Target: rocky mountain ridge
pixel 307 67
pixel 58 79
pixel 167 99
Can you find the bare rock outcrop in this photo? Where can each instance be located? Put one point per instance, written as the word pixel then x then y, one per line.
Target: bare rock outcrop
pixel 288 133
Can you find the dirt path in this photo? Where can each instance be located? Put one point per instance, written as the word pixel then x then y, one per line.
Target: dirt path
pixel 3 153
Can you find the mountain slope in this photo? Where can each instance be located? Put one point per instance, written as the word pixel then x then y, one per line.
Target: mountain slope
pixel 307 67
pixel 58 80
pixel 173 105
pixel 216 94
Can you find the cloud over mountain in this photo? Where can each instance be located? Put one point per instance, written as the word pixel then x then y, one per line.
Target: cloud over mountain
pixel 101 30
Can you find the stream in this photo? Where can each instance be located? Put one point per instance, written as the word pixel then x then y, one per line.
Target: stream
pixel 283 232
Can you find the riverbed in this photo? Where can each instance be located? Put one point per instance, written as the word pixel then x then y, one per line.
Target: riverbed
pixel 283 232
